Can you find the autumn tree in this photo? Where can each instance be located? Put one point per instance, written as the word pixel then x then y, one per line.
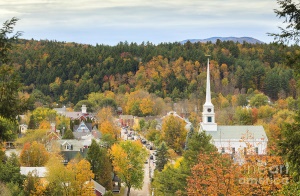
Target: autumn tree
pixel 41 115
pixel 146 106
pixel 81 177
pixel 31 184
pixel 174 132
pixel 215 174
pixel 263 175
pixel 107 127
pixel 105 114
pixel 128 162
pixel 58 176
pixel 34 155
pixel 38 135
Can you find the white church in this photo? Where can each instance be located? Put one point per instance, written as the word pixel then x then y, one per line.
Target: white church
pixel 236 140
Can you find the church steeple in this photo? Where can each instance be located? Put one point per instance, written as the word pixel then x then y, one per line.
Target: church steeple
pixel 208 95
pixel 208 113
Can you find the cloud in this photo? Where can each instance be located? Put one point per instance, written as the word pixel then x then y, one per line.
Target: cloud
pixel 139 19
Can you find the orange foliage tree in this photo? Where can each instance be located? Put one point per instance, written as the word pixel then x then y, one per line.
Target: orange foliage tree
pixel 215 174
pixel 263 175
pixel 34 155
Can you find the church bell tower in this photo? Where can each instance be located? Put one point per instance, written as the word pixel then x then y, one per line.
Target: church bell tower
pixel 208 113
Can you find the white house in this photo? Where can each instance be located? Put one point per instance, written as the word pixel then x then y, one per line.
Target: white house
pixel 236 140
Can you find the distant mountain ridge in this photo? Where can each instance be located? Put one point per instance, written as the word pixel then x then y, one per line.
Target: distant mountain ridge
pixel 234 39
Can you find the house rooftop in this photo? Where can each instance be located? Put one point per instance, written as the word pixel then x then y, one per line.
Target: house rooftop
pixel 248 132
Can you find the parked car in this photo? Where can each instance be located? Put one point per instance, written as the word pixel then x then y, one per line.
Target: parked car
pixel 149 147
pixel 144 141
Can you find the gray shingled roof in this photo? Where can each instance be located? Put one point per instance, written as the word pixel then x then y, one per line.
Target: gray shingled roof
pixel 237 132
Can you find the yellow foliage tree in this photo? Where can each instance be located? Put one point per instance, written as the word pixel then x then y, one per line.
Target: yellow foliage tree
pixel 128 161
pixel 34 155
pixel 108 127
pixel 146 106
pixel 174 132
pixel 81 178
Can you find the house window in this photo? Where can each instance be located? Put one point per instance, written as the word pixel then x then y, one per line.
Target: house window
pixel 209 119
pixel 233 150
pixel 256 150
pixel 67 147
pixel 222 150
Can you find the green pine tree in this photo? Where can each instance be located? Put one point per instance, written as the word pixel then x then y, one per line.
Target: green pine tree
pixel 68 134
pixel 162 156
pixel 100 165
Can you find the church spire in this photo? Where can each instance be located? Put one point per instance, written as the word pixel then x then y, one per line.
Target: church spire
pixel 208 95
pixel 208 113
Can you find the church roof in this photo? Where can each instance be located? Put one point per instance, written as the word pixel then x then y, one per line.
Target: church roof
pixel 239 132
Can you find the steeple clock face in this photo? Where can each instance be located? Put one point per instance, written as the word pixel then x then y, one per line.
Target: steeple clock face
pixel 209 110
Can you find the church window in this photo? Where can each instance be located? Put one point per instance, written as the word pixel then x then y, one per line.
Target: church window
pixel 233 150
pixel 209 119
pixel 256 150
pixel 245 151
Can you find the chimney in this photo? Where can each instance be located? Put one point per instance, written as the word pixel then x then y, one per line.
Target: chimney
pixel 83 109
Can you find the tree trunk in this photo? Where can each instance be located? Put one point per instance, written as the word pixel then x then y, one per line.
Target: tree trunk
pixel 128 191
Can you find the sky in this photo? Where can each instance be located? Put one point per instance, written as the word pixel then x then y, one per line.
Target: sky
pixel 109 22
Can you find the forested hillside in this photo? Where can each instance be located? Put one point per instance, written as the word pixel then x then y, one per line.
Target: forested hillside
pixel 67 72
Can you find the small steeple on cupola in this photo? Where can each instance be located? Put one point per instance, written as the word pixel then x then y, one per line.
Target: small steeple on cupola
pixel 208 113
